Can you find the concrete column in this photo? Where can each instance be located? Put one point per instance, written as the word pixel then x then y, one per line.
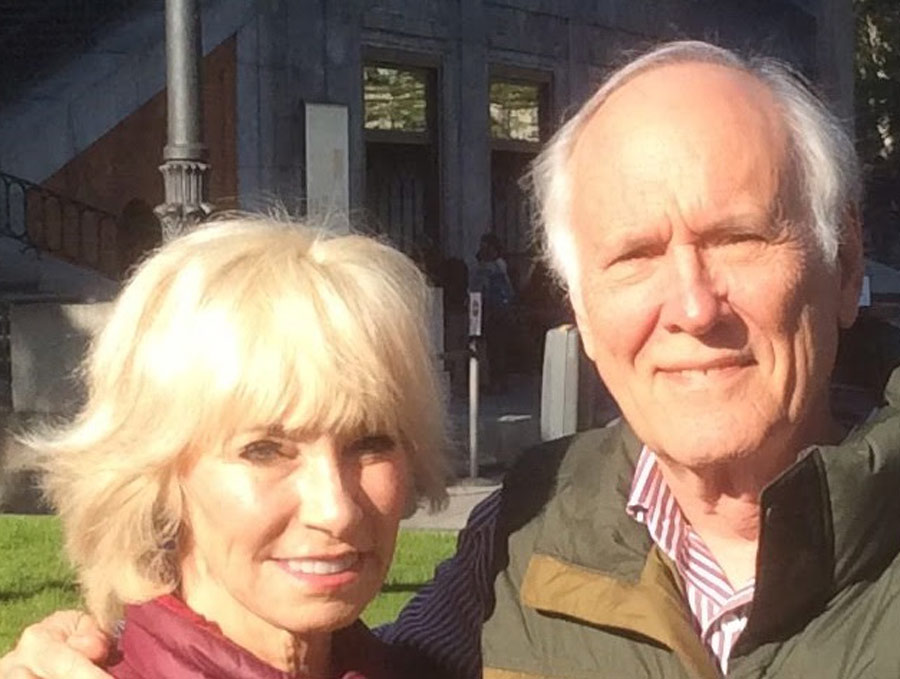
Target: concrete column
pixel 343 68
pixel 453 241
pixel 835 48
pixel 577 87
pixel 474 126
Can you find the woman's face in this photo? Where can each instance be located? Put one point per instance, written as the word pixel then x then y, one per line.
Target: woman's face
pixel 292 532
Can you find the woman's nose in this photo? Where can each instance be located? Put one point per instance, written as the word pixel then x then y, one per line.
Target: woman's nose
pixel 327 494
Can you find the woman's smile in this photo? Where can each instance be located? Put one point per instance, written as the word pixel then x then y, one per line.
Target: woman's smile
pixel 324 573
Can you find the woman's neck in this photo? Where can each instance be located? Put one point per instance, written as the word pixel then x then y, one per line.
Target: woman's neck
pixel 303 656
pixel 306 655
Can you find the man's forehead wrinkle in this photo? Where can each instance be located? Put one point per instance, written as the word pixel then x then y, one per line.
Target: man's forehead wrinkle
pixel 673 100
pixel 651 147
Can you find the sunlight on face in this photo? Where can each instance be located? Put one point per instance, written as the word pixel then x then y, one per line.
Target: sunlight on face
pixel 290 531
pixel 703 299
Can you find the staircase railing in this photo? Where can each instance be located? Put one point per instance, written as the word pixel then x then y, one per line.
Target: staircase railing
pixel 5 364
pixel 46 221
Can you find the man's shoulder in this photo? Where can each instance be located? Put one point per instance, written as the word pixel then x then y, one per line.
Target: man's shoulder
pixel 597 463
pixel 591 451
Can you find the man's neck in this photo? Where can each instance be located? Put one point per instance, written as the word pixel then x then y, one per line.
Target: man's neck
pixel 721 501
pixel 724 510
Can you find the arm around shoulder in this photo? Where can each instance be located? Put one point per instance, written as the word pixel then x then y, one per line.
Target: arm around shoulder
pixel 65 645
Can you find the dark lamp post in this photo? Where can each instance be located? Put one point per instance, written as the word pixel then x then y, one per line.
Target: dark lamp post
pixel 184 167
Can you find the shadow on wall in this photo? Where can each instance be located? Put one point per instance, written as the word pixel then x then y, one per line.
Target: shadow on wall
pixel 47 344
pixel 139 233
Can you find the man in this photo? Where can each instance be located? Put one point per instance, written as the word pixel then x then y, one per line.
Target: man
pixel 702 211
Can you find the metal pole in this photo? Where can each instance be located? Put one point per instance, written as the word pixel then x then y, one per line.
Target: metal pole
pixel 184 168
pixel 473 408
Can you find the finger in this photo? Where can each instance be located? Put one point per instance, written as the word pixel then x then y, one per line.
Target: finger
pixel 90 640
pixel 59 626
pixel 67 664
pixel 17 672
pixel 44 651
pixel 94 647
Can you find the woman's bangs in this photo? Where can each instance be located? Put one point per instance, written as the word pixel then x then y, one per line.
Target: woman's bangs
pixel 302 379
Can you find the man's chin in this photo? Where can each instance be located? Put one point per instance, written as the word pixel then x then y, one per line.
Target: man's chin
pixel 708 447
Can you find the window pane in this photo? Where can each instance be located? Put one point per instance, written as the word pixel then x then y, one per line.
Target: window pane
pixel 514 111
pixel 395 99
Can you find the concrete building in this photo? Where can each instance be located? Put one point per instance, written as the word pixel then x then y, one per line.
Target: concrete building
pixel 417 116
pixel 483 82
pixel 433 110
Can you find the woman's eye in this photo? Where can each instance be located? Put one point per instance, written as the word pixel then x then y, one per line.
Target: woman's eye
pixel 375 443
pixel 263 451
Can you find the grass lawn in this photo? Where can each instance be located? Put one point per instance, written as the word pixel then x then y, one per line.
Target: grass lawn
pixel 35 580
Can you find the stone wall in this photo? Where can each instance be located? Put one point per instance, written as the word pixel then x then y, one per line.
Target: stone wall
pixel 290 53
pixel 47 345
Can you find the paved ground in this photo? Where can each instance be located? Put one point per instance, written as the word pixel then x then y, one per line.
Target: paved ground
pixel 463 498
pixel 497 442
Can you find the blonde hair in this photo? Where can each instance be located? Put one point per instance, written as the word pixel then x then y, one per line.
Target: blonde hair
pixel 244 322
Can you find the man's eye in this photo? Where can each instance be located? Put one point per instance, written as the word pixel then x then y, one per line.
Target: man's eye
pixel 638 254
pixel 742 237
pixel 263 451
pixel 375 443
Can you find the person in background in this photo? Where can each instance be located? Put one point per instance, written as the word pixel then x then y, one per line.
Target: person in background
pixel 491 278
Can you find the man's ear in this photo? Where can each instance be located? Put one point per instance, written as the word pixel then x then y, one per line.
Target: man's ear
pixel 581 320
pixel 851 265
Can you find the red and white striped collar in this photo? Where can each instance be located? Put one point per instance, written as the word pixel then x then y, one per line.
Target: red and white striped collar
pixel 719 610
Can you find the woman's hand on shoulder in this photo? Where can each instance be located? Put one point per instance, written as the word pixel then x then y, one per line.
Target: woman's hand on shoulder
pixel 64 645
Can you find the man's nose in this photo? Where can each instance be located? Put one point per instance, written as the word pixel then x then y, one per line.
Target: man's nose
pixel 327 497
pixel 691 303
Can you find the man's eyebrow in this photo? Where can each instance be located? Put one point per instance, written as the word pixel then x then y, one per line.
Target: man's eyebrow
pixel 767 221
pixel 629 241
pixel 624 241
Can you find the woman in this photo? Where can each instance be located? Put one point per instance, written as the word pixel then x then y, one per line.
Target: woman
pixel 261 413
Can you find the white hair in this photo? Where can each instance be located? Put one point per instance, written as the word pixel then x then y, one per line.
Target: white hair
pixel 828 175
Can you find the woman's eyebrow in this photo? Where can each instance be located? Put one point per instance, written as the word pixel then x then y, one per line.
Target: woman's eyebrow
pixel 275 430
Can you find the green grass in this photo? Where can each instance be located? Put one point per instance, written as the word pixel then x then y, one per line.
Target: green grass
pixel 35 580
pixel 418 552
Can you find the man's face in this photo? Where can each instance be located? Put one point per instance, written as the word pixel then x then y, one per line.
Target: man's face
pixel 701 294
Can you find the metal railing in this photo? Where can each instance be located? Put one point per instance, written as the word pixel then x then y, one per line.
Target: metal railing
pixel 46 221
pixel 5 363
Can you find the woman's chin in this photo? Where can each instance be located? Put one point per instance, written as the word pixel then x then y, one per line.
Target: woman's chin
pixel 321 618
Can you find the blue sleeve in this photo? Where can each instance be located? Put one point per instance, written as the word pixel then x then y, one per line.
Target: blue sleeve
pixel 443 621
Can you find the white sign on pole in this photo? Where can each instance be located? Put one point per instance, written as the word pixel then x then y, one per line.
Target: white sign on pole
pixel 327 165
pixel 476 311
pixel 865 294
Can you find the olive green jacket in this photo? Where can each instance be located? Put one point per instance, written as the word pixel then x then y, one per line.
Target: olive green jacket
pixel 582 592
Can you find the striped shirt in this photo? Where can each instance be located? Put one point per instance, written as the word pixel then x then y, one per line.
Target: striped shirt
pixel 720 611
pixel 443 620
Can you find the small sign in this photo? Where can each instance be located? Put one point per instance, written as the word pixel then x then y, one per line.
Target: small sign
pixel 865 294
pixel 475 313
pixel 327 165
